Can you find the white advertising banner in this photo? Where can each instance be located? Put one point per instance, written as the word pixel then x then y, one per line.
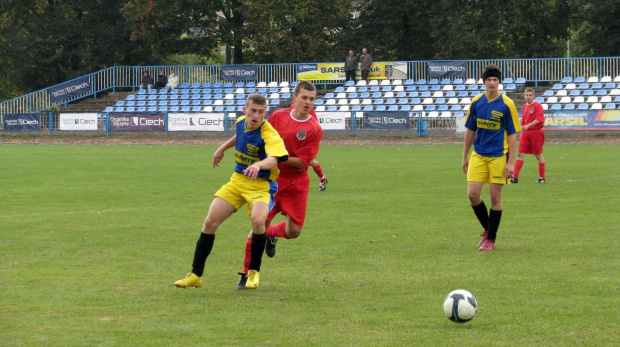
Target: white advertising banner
pixel 332 120
pixel 196 122
pixel 77 121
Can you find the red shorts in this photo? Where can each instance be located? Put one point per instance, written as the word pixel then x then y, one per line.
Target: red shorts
pixel 532 141
pixel 292 198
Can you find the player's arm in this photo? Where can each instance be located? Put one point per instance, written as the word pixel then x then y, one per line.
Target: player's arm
pixel 265 164
pixel 469 139
pixel 512 154
pixel 219 153
pixel 307 153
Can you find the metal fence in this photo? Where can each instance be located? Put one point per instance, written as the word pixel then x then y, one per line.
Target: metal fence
pixel 535 71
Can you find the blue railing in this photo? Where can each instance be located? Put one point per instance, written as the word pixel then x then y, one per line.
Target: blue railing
pixel 536 71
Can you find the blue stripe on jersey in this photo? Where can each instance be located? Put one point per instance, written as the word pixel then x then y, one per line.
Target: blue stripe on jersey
pixel 492 121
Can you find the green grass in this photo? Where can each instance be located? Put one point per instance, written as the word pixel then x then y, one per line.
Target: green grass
pixel 93 237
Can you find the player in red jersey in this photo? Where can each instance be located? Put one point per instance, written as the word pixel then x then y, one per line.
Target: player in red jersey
pixel 316 166
pixel 302 135
pixel 533 138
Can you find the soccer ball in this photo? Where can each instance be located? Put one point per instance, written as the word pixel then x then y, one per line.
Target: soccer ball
pixel 460 306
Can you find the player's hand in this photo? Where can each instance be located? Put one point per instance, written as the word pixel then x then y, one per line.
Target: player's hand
pixel 252 171
pixel 217 157
pixel 465 165
pixel 510 169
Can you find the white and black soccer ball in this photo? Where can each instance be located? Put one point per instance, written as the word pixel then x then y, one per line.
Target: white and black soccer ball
pixel 460 306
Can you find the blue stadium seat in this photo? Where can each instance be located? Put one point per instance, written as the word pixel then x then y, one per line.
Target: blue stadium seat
pixel 319 102
pixel 442 108
pixel 433 81
pixel 228 85
pixel 413 94
pixel 173 103
pixel 239 85
pixel 579 79
pixel 474 93
pixel 455 108
pixel 446 81
pixel 184 103
pixel 356 108
pixel 408 82
pixel 401 95
pixel 450 94
pixel 380 108
pixel 152 103
pixel 207 102
pixel 218 109
pixel 240 96
pixel 435 88
pixel 390 101
pixel 405 108
pixel 185 109
pixel 130 97
pixel 196 102
pixel 511 87
pixel 163 91
pixel 329 96
pixel 274 102
pixel 583 86
pixel 386 89
pixel 109 109
pixel 557 86
pixel 403 101
pixel 378 101
pixel 393 108
pixel 574 92
pixel 582 107
pixel 411 88
pixel 421 81
pixel 250 85
pixel 133 109
pixel 196 109
pixel 336 91
pixel 601 92
pixel 349 84
pixel 617 99
pixel 184 86
pixel 173 92
pixel 163 103
pixel 217 85
pixel 332 108
pixel 610 86
pixel 430 108
pixel 141 92
pixel 520 81
pixel 587 92
pixel 376 95
pixel 425 94
pixel 540 99
pixel 569 107
pixel 230 108
pixel 567 80
pixel 184 97
pixel 610 106
pixel 130 103
pixel 460 87
pixel 141 103
pixel 458 81
pixel 120 103
pixel 508 80
pixel 462 94
pixel 556 107
pixel 368 108
pixel 415 101
pixel 472 87
pixel 152 109
pixel 206 97
pixel 423 88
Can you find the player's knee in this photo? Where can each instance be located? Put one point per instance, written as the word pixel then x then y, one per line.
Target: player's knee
pixel 293 233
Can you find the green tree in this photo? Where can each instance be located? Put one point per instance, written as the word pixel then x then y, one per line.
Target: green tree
pixel 596 24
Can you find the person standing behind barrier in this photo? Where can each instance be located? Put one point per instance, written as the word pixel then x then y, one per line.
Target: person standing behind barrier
pixel 350 66
pixel 532 138
pixel 365 62
pixel 173 80
pixel 491 126
pixel 162 80
pixel 147 81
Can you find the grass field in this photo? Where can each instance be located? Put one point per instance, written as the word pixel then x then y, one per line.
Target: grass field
pixel 92 238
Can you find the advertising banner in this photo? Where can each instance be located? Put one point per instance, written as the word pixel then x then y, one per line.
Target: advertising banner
pixel 22 122
pixel 386 120
pixel 196 122
pixel 70 89
pixel 335 71
pixel 449 68
pixel 239 72
pixel 137 122
pixel 582 120
pixel 332 120
pixel 77 121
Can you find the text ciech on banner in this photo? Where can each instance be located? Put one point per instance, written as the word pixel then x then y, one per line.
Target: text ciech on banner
pixel 449 68
pixel 386 120
pixel 332 120
pixel 196 122
pixel 70 89
pixel 77 121
pixel 22 122
pixel 239 72
pixel 137 122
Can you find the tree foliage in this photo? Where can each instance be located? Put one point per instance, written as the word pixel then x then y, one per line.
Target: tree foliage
pixel 45 42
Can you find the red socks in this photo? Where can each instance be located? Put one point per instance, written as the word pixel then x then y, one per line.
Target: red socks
pixel 518 166
pixel 541 170
pixel 318 171
pixel 278 230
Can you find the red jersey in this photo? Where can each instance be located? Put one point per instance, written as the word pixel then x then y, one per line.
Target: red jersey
pixel 301 139
pixel 531 112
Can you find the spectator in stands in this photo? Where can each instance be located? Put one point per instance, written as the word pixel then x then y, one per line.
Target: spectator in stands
pixel 173 80
pixel 147 81
pixel 533 137
pixel 350 66
pixel 365 62
pixel 491 126
pixel 162 80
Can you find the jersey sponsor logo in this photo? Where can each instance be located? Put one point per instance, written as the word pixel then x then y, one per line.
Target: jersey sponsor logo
pixel 496 115
pixel 301 134
pixel 488 124
pixel 245 159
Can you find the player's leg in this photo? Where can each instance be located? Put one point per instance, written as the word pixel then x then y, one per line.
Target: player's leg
pixel 525 146
pixel 477 175
pixel 219 211
pixel 316 166
pixel 518 165
pixel 259 213
pixel 537 145
pixel 497 171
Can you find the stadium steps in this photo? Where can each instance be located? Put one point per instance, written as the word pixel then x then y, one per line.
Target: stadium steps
pixel 94 105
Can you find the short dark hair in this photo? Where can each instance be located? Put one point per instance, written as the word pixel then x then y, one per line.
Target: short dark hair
pixel 307 85
pixel 256 98
pixel 531 90
pixel 491 71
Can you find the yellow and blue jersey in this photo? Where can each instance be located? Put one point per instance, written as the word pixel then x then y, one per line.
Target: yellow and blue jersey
pixel 493 121
pixel 254 145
